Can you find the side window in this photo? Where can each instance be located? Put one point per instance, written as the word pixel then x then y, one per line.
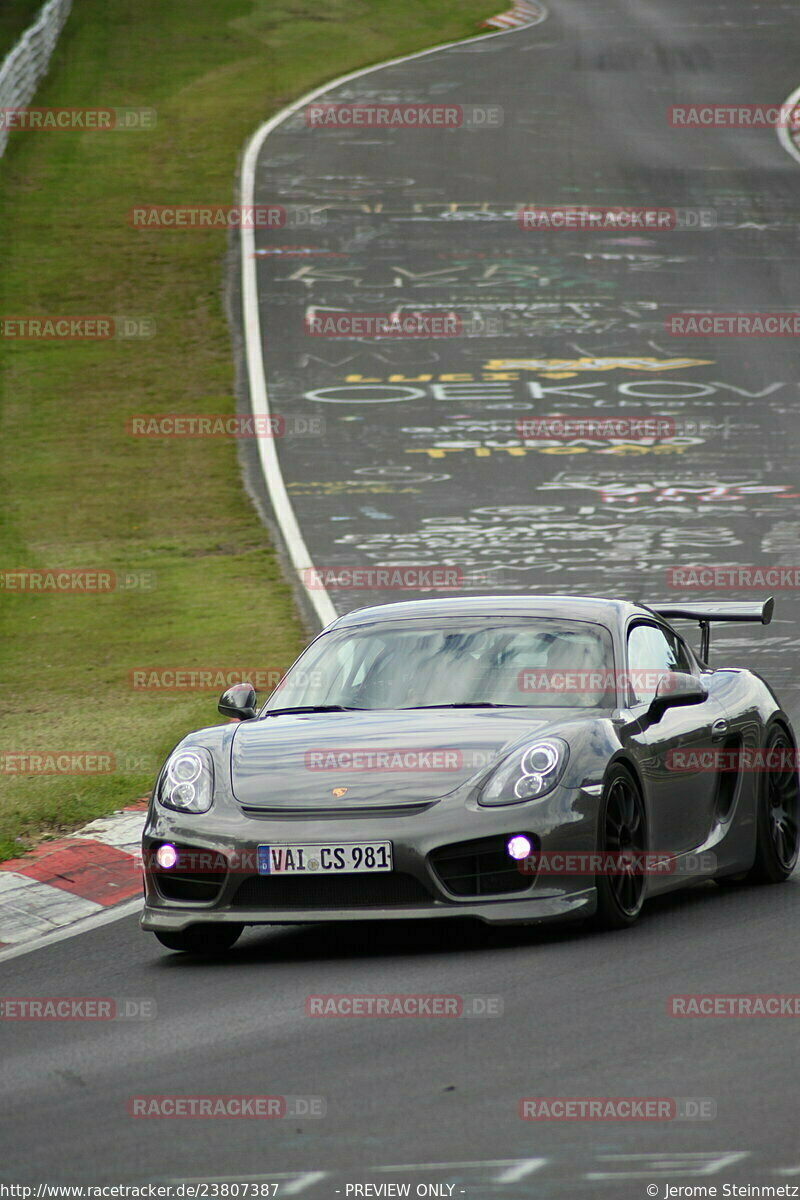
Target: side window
pixel 681 656
pixel 652 652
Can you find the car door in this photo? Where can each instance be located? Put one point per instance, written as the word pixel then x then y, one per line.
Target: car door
pixel 672 753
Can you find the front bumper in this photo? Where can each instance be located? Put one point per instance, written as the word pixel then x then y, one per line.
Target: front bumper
pixel 499 912
pixel 565 824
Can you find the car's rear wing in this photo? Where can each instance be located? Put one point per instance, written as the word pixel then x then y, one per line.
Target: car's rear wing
pixel 704 613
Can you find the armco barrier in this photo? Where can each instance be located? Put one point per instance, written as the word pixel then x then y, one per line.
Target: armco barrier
pixel 26 65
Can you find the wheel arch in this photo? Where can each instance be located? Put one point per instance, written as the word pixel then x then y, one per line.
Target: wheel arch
pixel 780 718
pixel 622 759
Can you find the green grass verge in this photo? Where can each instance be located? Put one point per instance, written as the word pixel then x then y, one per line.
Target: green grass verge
pixel 15 17
pixel 77 492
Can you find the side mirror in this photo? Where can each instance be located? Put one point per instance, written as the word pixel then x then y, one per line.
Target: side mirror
pixel 675 690
pixel 239 702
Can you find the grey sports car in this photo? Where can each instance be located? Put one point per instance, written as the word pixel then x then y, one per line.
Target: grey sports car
pixel 504 758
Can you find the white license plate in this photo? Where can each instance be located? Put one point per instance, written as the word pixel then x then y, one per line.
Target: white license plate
pixel 344 858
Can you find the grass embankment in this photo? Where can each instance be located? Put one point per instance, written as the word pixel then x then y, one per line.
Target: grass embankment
pixel 15 17
pixel 77 491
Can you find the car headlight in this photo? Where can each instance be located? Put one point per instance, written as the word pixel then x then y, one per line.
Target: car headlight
pixel 187 782
pixel 527 774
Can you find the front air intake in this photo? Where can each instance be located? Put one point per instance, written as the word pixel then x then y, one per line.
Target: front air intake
pixel 390 889
pixel 482 867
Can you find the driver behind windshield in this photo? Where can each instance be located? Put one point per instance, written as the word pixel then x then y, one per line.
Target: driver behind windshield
pixel 512 667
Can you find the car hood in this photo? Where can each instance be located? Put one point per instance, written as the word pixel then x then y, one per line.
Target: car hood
pixel 381 758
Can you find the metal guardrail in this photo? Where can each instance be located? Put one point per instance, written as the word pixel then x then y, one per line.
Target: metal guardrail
pixel 26 65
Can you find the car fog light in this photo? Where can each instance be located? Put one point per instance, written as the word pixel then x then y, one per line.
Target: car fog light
pixel 166 856
pixel 519 846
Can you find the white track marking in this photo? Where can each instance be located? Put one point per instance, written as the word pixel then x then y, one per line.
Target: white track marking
pixel 259 398
pixel 510 1163
pixel 784 131
pixel 30 908
pixel 658 1166
pixel 300 1185
pixel 127 909
pixel 121 830
pixel 523 1168
pixel 300 1179
pixel 34 913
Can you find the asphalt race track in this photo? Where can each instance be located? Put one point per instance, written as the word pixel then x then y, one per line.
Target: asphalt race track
pixel 430 470
pixel 583 1016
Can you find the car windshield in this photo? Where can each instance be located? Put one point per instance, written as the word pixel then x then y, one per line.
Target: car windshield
pixel 531 663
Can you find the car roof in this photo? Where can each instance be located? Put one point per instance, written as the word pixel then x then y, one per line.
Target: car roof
pixel 604 611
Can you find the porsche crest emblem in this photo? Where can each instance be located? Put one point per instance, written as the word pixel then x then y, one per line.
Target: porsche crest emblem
pixel 338 792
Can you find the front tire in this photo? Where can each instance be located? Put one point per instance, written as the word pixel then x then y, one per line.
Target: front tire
pixel 622 832
pixel 202 939
pixel 777 814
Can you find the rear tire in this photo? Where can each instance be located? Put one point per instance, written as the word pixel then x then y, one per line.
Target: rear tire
pixel 202 939
pixel 622 830
pixel 777 814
